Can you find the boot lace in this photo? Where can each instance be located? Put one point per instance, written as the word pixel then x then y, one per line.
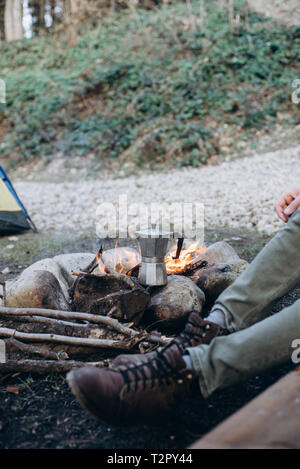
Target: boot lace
pixel 160 371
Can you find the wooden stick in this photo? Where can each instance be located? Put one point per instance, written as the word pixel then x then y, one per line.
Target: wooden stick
pixel 36 350
pixel 47 321
pixel 62 339
pixel 45 366
pixel 92 266
pixel 76 273
pixel 50 313
pixel 93 318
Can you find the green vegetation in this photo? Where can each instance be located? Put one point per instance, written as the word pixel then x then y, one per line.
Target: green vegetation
pixel 149 87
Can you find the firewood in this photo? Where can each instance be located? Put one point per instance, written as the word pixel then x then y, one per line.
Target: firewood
pixel 69 315
pixel 46 321
pixel 78 341
pixel 31 349
pixel 92 266
pixel 38 315
pixel 45 366
pixel 77 273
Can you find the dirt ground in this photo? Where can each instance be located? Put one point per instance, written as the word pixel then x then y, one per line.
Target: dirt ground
pixel 41 412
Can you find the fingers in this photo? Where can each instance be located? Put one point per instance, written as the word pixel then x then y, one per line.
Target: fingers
pixel 287 204
pixel 292 207
pixel 280 212
pixel 282 204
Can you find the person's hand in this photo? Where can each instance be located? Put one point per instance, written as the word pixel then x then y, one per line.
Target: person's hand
pixel 288 203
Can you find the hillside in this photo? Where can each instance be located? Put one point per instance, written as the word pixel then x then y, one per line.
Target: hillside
pixel 167 87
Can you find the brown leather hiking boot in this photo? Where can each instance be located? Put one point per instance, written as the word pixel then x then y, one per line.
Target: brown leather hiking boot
pixel 196 332
pixel 135 393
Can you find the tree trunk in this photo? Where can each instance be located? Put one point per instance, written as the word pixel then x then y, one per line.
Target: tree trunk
pixel 52 12
pixel 41 14
pixel 38 15
pixel 2 30
pixel 73 8
pixel 13 20
pixel 231 13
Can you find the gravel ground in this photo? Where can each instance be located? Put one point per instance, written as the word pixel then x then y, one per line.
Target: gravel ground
pixel 287 12
pixel 237 193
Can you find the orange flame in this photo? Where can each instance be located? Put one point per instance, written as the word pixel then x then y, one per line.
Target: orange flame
pixel 121 260
pixel 187 255
pixel 101 265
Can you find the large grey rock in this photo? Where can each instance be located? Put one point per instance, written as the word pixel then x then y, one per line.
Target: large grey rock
pixel 214 279
pixel 218 252
pixel 172 303
pixel 37 289
pixel 47 276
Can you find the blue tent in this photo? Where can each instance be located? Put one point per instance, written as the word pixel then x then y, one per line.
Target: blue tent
pixel 13 215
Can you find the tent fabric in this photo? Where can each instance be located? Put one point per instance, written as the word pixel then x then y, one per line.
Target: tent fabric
pixel 13 215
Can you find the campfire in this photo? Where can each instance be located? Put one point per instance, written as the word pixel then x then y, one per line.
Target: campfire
pixel 119 260
pixel 186 260
pixel 81 308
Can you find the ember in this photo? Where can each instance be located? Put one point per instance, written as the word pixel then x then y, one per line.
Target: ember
pixel 187 256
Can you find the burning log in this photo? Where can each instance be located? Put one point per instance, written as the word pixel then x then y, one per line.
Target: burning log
pixel 119 259
pixel 193 257
pixel 94 264
pixel 179 265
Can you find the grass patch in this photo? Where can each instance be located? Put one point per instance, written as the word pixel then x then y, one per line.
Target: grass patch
pixel 29 248
pixel 153 89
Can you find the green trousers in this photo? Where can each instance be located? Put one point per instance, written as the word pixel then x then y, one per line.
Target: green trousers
pixel 257 341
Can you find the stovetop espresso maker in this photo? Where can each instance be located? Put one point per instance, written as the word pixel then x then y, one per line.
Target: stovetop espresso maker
pixel 153 245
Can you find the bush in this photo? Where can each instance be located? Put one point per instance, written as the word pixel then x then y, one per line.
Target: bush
pixel 126 79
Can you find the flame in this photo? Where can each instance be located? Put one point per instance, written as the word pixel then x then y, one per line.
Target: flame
pixel 187 255
pixel 121 260
pixel 101 265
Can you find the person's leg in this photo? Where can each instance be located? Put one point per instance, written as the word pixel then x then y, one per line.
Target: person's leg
pixel 235 357
pixel 274 271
